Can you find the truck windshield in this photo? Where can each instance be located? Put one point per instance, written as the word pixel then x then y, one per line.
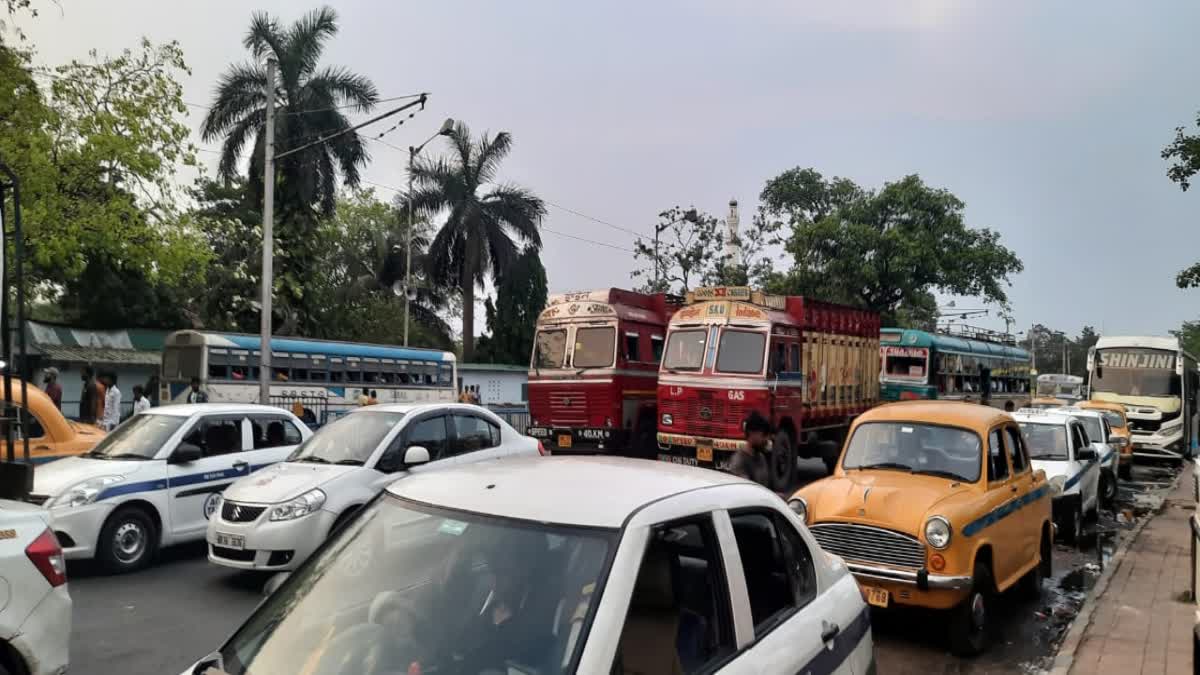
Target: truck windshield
pixel 915 447
pixel 740 351
pixel 594 347
pixel 1136 372
pixel 550 348
pixel 685 349
pixel 1047 442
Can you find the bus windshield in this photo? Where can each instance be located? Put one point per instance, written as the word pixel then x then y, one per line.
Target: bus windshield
pixel 905 363
pixel 741 351
pixel 685 349
pixel 1136 372
pixel 594 347
pixel 182 363
pixel 550 348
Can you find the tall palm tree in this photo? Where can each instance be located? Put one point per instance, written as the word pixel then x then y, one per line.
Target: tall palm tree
pixel 311 102
pixel 476 241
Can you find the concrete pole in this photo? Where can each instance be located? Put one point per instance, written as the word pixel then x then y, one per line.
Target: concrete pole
pixel 268 254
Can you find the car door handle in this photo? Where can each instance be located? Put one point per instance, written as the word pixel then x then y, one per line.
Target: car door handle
pixel 829 631
pixel 241 465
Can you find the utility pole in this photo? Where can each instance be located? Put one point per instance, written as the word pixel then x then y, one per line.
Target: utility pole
pixel 410 293
pixel 268 254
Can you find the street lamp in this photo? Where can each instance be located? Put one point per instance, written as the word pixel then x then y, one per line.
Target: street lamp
pixel 688 216
pixel 410 293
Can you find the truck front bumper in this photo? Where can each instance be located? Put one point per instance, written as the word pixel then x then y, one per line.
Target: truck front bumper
pixel 583 440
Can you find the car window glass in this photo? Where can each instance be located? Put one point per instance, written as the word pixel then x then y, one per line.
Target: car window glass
pixel 429 433
pixel 273 432
pixel 216 435
pixel 473 433
pixel 997 464
pixel 776 582
pixel 679 615
pixel 1016 449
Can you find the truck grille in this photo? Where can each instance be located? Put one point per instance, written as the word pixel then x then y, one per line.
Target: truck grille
pixel 568 408
pixel 240 513
pixel 1145 426
pixel 863 543
pixel 705 416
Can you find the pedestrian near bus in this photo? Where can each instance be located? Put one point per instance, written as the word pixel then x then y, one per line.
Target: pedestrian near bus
pixel 195 393
pixel 112 402
pixel 750 461
pixel 372 398
pixel 140 402
pixel 53 388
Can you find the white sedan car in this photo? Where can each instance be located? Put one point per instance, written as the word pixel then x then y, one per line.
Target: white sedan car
pixel 1059 445
pixel 275 519
pixel 562 565
pixel 157 478
pixel 35 609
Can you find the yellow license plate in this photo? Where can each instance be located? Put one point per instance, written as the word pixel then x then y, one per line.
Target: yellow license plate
pixel 564 440
pixel 704 453
pixel 875 596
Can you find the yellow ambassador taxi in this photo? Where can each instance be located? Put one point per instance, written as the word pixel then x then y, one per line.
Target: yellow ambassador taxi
pixel 934 504
pixel 1115 414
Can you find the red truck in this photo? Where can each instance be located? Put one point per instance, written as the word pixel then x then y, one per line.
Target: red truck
pixel 810 367
pixel 594 368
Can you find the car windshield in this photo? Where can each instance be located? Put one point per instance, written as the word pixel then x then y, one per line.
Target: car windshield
pixel 550 348
pixel 1114 419
pixel 349 440
pixel 594 347
pixel 411 588
pixel 140 437
pixel 916 448
pixel 1136 372
pixel 685 349
pixel 1092 426
pixel 741 351
pixel 1047 442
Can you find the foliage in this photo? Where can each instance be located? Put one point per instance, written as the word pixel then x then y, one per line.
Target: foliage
pixel 883 250
pixel 687 241
pixel 1189 336
pixel 311 103
pixel 520 296
pixel 1047 345
pixel 232 228
pixel 476 240
pixel 1185 151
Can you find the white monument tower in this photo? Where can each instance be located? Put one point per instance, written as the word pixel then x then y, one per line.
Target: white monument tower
pixel 733 250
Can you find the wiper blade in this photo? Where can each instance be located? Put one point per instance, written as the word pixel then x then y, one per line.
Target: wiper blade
pixel 96 454
pixel 939 472
pixel 885 465
pixel 312 459
pixel 351 462
pixel 127 455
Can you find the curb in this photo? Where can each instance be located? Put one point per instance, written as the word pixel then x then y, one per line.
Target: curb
pixel 1065 658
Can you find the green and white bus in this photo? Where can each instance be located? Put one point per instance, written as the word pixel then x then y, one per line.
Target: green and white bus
pixel 919 364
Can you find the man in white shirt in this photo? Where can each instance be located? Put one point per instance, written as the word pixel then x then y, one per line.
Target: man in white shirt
pixel 112 403
pixel 140 402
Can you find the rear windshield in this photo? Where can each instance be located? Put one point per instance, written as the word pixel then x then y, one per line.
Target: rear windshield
pixel 1047 442
pixel 685 349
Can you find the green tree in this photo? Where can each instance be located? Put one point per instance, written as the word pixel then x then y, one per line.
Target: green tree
pixel 1189 336
pixel 520 296
pixel 1184 152
pixel 311 103
pixel 476 240
pixel 232 226
pixel 884 250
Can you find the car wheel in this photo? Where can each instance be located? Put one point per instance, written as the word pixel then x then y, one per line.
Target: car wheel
pixel 1108 488
pixel 1032 583
pixel 969 624
pixel 1071 525
pixel 1125 471
pixel 783 462
pixel 128 541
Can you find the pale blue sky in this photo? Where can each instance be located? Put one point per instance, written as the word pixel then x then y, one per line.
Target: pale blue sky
pixel 1047 119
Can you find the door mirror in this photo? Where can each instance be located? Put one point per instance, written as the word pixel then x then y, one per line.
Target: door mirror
pixel 1085 454
pixel 416 454
pixel 274 583
pixel 186 453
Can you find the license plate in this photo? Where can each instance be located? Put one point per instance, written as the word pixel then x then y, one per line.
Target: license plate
pixel 875 596
pixel 233 541
pixel 673 459
pixel 704 453
pixel 564 440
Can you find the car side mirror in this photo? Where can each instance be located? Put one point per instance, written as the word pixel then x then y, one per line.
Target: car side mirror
pixel 1086 454
pixel 274 583
pixel 186 453
pixel 416 454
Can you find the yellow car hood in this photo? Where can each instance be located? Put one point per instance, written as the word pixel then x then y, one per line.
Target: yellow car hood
pixel 892 499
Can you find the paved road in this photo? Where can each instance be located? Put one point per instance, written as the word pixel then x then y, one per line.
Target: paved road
pixel 164 618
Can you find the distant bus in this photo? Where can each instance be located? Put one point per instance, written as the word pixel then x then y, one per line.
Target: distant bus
pixel 1056 389
pixel 918 364
pixel 1159 385
pixel 323 376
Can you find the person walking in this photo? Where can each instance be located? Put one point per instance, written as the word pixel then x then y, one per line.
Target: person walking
pixel 53 388
pixel 140 402
pixel 372 398
pixel 464 396
pixel 112 402
pixel 363 399
pixel 195 393
pixel 750 461
pixel 88 396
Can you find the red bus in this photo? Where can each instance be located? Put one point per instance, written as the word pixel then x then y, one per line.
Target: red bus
pixel 594 368
pixel 809 367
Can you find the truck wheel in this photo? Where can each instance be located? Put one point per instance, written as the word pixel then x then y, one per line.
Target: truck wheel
pixel 128 541
pixel 783 462
pixel 969 623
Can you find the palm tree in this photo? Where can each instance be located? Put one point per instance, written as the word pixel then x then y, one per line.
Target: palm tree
pixel 474 242
pixel 310 104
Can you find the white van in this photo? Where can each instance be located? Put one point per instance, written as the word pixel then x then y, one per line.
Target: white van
pixel 1059 445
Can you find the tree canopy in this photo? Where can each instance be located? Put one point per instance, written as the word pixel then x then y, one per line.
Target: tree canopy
pixel 520 296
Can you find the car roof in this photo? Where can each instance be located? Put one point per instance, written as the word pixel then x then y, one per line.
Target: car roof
pixel 1080 412
pixel 414 408
pixel 582 491
pixel 952 413
pixel 1110 406
pixel 1039 416
pixel 189 409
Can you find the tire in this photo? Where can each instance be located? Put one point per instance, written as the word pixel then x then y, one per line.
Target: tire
pixel 1073 525
pixel 1108 489
pixel 128 541
pixel 645 441
pixel 1031 585
pixel 969 622
pixel 783 462
pixel 1125 471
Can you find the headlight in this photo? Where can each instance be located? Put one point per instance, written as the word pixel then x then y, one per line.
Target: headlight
pixel 299 507
pixel 1058 484
pixel 667 419
pixel 84 493
pixel 937 532
pixel 800 508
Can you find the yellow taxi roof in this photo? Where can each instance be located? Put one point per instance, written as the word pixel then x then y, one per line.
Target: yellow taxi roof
pixel 1102 405
pixel 972 416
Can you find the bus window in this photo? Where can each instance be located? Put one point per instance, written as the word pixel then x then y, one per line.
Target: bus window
pixel 299 374
pixel 318 376
pixel 631 347
pixel 445 375
pixel 354 376
pixel 656 347
pixel 280 375
pixel 337 376
pixel 216 372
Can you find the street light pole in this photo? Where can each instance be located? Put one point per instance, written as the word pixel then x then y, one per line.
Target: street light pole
pixel 409 292
pixel 268 253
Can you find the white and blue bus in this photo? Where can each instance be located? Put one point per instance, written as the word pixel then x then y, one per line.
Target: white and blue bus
pixel 325 377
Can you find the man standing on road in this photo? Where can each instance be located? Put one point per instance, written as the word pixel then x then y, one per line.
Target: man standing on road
pixel 196 394
pixel 750 462
pixel 53 388
pixel 140 402
pixel 112 402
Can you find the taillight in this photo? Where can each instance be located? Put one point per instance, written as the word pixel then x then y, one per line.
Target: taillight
pixel 542 450
pixel 47 556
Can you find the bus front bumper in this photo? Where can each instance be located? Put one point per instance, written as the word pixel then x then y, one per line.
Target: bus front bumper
pixel 1160 446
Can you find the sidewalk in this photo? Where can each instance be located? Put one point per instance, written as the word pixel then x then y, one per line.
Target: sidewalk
pixel 1142 622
